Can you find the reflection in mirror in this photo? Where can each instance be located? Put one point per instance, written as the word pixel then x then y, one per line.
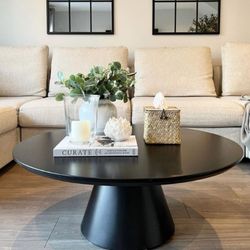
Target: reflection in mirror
pixel 164 17
pixel 208 17
pixel 186 16
pixel 80 16
pixel 101 17
pixel 186 13
pixel 58 17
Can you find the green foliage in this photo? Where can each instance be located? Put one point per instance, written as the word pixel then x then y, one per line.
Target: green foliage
pixel 59 96
pixel 205 24
pixel 110 83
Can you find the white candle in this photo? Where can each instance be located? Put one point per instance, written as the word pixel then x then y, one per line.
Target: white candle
pixel 80 131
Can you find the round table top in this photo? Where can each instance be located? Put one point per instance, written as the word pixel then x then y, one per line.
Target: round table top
pixel 200 155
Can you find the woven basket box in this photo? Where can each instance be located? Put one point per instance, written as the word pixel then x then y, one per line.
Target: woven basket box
pixel 162 126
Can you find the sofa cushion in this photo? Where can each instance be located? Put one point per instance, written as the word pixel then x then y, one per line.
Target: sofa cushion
pixel 8 119
pixel 80 60
pixel 236 69
pixel 16 102
pixel 197 111
pixel 23 71
pixel 174 72
pixel 48 112
pixel 45 112
pixel 236 99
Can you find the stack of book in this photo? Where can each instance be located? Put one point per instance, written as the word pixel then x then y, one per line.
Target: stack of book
pixel 102 146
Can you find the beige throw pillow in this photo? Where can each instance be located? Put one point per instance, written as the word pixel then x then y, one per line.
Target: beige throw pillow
pixel 236 69
pixel 174 72
pixel 23 71
pixel 80 60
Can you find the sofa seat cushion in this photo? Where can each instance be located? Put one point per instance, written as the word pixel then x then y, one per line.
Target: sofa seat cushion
pixel 23 71
pixel 80 60
pixel 236 99
pixel 174 72
pixel 8 119
pixel 197 111
pixel 16 102
pixel 45 112
pixel 49 113
pixel 236 69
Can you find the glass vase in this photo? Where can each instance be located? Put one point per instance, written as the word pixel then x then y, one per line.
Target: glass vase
pixel 81 118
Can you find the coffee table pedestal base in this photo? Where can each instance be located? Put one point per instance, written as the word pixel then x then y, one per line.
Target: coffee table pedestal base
pixel 127 218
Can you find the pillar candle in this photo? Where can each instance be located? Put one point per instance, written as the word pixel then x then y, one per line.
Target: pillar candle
pixel 80 131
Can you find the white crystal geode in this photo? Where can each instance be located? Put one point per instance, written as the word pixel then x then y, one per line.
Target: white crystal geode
pixel 118 129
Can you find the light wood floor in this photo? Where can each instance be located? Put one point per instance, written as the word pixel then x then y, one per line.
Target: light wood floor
pixel 38 213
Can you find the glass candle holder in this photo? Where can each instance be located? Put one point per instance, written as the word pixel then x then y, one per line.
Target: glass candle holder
pixel 81 117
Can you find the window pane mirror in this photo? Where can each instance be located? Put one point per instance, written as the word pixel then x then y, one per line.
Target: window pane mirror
pixel 186 17
pixel 80 17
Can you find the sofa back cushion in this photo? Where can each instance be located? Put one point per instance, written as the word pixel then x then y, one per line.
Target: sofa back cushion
pixel 174 72
pixel 236 69
pixel 23 71
pixel 80 60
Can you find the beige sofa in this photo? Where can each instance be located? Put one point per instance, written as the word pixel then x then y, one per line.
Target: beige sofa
pixel 185 75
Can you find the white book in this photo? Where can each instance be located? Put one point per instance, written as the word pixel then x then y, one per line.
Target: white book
pixel 102 146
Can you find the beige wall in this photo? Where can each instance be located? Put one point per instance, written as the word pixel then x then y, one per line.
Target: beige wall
pixel 23 22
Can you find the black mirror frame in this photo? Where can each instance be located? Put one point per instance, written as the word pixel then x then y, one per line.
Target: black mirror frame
pixel 155 30
pixel 111 32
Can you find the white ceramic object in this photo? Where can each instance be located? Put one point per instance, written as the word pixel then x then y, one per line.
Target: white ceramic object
pixel 118 129
pixel 159 101
pixel 106 110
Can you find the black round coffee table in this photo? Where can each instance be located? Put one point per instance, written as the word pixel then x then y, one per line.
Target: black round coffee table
pixel 127 208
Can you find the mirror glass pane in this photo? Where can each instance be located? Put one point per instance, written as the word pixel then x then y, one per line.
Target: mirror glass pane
pixel 208 21
pixel 80 16
pixel 58 16
pixel 164 17
pixel 186 17
pixel 102 17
